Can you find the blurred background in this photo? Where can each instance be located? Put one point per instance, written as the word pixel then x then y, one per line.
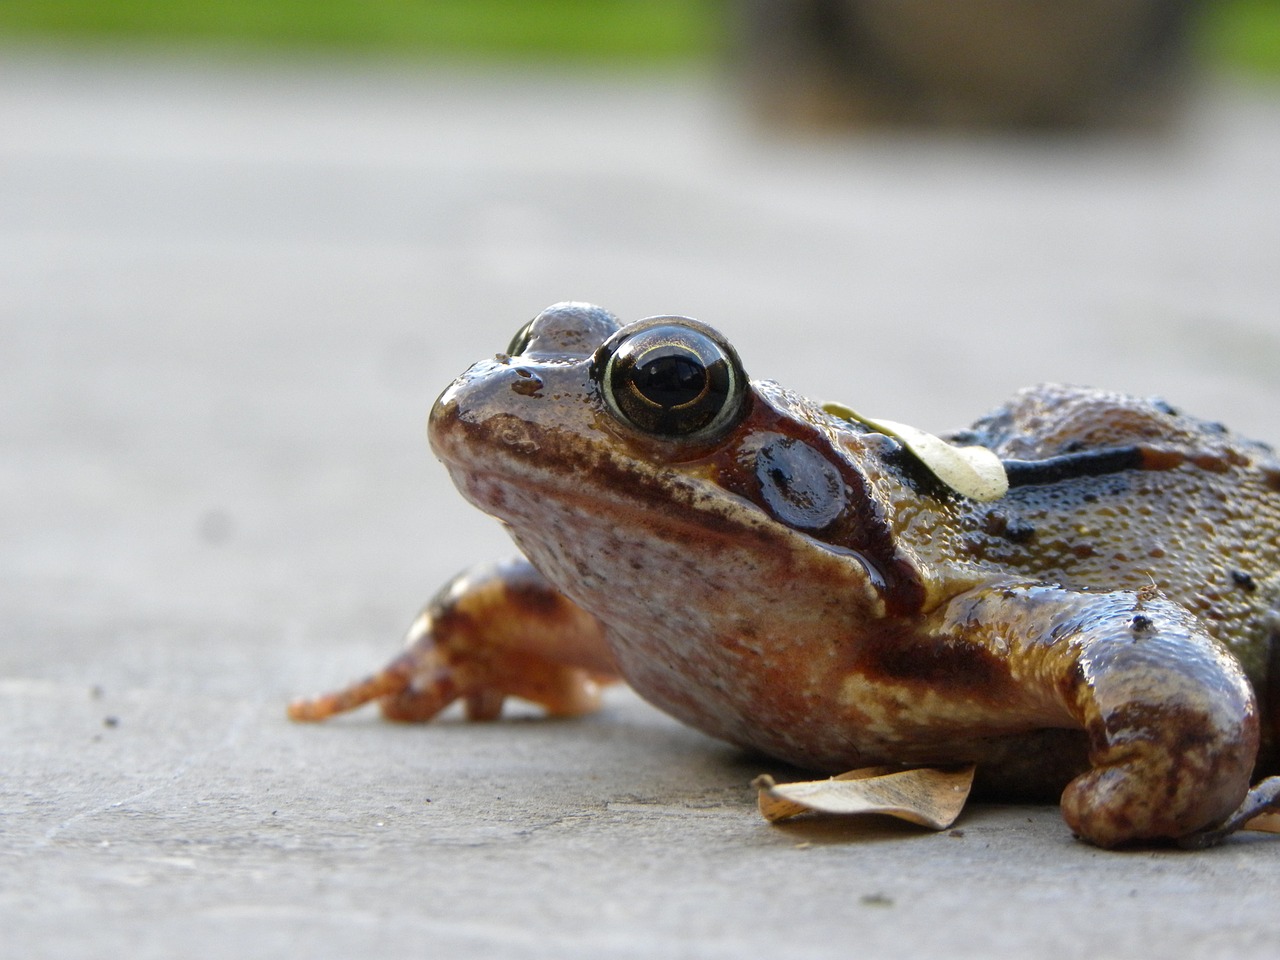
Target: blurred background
pixel 1232 34
pixel 244 245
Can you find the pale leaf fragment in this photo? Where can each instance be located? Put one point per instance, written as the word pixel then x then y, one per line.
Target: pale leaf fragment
pixel 926 796
pixel 974 472
pixel 1264 823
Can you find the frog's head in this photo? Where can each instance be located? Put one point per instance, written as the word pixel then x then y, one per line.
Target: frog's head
pixel 609 448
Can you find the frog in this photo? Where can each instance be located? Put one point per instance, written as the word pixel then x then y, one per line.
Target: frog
pixel 784 575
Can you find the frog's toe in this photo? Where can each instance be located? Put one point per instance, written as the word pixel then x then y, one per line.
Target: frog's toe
pixel 1142 799
pixel 483 684
pixel 561 690
pixel 484 705
pixel 385 685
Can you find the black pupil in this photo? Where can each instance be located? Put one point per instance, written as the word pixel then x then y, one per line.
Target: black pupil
pixel 671 379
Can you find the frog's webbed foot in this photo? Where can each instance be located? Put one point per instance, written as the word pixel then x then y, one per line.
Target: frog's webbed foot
pixel 1263 798
pixel 502 631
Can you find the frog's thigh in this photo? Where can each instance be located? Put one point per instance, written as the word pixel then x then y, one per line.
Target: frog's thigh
pixel 1171 719
pixel 491 633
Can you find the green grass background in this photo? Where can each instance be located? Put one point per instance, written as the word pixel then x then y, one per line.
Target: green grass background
pixel 1244 34
pixel 1237 34
pixel 578 29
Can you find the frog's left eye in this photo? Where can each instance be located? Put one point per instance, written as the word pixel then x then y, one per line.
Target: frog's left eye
pixel 671 377
pixel 520 342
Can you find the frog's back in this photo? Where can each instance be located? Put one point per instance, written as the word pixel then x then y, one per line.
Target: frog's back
pixel 1110 491
pixel 1053 420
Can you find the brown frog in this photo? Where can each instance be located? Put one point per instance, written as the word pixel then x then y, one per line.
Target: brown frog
pixel 803 583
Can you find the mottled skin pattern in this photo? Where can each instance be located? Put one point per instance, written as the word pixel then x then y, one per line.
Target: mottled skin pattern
pixel 801 585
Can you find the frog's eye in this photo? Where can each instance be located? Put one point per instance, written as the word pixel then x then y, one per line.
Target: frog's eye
pixel 671 377
pixel 520 342
pixel 564 331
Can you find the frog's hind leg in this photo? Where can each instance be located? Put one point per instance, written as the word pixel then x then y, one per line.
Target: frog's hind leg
pixel 489 634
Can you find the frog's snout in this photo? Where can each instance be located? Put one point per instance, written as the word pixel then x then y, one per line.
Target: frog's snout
pixel 504 406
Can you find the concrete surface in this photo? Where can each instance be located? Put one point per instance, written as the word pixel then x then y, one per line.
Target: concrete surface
pixel 229 293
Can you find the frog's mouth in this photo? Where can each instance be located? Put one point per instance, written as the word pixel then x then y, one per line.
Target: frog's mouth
pixel 521 474
pixel 541 427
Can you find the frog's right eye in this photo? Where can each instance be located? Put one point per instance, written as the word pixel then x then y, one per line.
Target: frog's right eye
pixel 671 377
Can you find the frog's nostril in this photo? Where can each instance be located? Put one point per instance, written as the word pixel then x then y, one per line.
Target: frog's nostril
pixel 516 439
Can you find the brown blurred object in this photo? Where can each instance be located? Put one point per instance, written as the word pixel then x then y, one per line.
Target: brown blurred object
pixel 966 63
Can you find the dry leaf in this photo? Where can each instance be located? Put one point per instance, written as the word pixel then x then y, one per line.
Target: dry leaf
pixel 927 796
pixel 973 472
pixel 1264 823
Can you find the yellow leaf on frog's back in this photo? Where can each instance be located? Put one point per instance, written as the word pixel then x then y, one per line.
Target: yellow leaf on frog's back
pixel 927 796
pixel 974 472
pixel 1264 823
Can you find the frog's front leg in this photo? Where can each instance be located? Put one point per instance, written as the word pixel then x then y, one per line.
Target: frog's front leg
pixel 491 633
pixel 1171 718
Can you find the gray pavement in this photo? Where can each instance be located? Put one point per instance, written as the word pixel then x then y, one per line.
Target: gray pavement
pixel 228 295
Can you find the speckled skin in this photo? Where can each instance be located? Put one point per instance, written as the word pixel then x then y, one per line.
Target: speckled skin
pixel 802 586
